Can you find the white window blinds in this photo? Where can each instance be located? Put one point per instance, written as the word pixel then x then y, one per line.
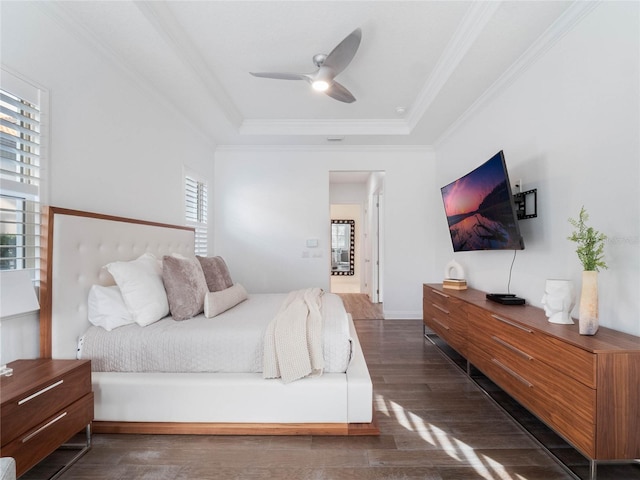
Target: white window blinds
pixel 196 211
pixel 19 182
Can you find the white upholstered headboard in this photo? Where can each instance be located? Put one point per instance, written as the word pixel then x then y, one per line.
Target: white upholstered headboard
pixel 75 246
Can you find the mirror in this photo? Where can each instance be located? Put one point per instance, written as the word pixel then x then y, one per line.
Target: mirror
pixel 342 247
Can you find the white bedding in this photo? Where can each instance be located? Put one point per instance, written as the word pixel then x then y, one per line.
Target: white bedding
pixel 231 342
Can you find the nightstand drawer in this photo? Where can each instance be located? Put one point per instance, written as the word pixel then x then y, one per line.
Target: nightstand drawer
pixel 45 437
pixel 24 408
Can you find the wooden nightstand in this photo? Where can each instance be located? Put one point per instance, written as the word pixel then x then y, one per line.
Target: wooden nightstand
pixel 43 404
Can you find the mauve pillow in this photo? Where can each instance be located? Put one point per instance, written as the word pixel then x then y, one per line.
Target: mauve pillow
pixel 216 272
pixel 185 285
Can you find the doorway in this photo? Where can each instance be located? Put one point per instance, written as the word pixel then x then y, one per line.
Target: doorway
pixel 357 196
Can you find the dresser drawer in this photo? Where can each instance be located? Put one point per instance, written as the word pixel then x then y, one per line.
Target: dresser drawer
pixel 570 360
pixel 447 330
pixel 45 437
pixel 441 299
pixel 445 315
pixel 32 406
pixel 562 402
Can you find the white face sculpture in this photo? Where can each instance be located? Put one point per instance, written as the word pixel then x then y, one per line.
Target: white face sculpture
pixel 558 300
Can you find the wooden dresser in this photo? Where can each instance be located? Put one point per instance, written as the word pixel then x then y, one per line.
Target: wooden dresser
pixel 44 403
pixel 586 388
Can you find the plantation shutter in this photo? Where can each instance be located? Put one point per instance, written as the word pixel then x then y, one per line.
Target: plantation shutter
pixel 196 211
pixel 19 182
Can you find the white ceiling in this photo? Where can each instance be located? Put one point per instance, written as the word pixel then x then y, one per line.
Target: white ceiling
pixel 436 59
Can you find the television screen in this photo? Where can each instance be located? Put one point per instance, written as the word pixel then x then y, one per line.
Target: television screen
pixel 480 209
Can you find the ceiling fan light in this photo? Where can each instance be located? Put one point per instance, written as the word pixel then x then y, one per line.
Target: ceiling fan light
pixel 320 85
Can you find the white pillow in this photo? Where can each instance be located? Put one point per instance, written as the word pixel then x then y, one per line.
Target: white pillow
pixel 217 302
pixel 106 308
pixel 140 283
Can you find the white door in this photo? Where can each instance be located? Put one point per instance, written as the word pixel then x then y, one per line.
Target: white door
pixel 377 244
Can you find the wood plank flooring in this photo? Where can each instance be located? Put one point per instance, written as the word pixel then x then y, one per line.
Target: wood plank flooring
pixel 436 424
pixel 360 307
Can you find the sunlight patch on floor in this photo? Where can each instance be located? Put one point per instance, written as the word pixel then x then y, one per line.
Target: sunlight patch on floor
pixel 485 466
pixel 401 416
pixel 381 405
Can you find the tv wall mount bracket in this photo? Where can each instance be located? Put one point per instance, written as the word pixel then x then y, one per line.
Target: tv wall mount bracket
pixel 526 204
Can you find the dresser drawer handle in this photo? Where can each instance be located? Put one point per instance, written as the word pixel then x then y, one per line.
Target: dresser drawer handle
pixel 508 322
pixel 512 373
pixel 446 327
pixel 46 389
pixel 443 310
pixel 511 347
pixel 440 293
pixel 44 427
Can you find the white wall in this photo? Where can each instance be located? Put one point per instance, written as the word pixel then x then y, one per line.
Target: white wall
pixel 569 126
pixel 268 201
pixel 115 147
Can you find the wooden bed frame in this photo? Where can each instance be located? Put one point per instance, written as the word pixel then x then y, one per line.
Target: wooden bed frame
pixel 75 246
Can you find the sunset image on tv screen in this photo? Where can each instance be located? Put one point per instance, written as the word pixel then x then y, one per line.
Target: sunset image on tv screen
pixel 480 211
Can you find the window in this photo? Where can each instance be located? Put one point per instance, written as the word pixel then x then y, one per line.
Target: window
pixel 196 210
pixel 20 178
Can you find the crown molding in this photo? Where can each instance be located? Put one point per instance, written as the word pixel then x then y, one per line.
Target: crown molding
pixel 326 148
pixel 324 127
pixel 472 25
pixel 160 17
pixel 563 25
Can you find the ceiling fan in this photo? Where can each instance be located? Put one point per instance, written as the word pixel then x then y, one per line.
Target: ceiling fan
pixel 329 66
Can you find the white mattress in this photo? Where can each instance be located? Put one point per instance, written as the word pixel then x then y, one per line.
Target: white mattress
pixel 231 342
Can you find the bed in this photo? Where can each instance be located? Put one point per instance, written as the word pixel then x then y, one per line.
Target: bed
pixel 76 245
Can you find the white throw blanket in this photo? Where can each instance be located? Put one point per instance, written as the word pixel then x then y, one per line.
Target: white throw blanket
pixel 293 340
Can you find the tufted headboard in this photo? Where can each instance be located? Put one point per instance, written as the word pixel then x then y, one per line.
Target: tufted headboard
pixel 75 245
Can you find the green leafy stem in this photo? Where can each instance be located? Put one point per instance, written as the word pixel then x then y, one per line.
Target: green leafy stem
pixel 590 242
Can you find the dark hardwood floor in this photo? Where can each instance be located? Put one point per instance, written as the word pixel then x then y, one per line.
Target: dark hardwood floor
pixel 436 424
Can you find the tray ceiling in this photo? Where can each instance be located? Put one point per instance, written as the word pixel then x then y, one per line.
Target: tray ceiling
pixel 421 66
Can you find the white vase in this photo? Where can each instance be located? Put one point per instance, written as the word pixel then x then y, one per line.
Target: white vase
pixel 588 319
pixel 558 301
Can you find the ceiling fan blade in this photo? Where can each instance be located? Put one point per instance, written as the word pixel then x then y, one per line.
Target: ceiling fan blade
pixel 344 52
pixel 338 92
pixel 281 76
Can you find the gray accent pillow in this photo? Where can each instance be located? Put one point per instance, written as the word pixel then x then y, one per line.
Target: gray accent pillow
pixel 186 286
pixel 216 272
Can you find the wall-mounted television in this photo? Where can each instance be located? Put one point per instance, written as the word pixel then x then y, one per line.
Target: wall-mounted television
pixel 480 209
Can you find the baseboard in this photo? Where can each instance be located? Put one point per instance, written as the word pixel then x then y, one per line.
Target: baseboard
pixel 402 315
